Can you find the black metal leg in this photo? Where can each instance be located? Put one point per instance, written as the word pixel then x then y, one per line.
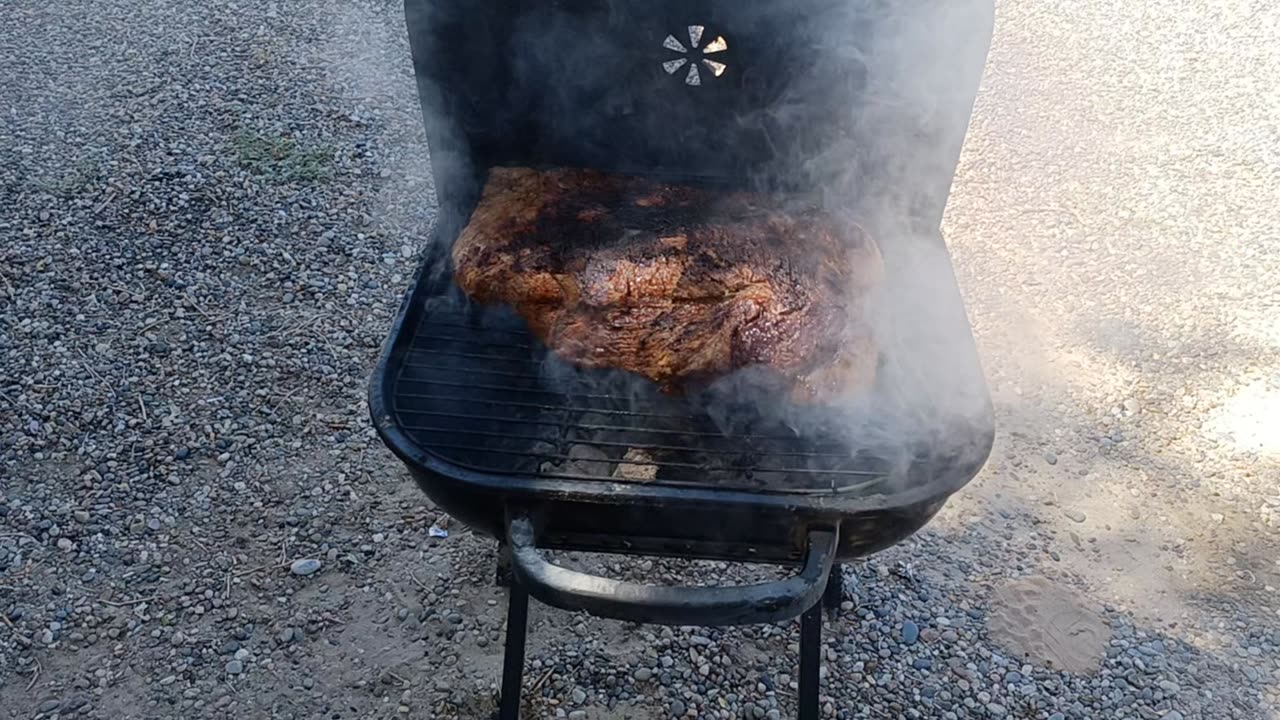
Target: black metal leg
pixel 503 575
pixel 834 594
pixel 810 661
pixel 513 657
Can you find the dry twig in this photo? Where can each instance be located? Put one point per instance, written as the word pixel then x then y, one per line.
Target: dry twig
pixel 35 675
pixel 12 293
pixel 251 571
pixel 197 306
pixel 542 680
pixel 23 640
pixel 127 603
pixel 111 195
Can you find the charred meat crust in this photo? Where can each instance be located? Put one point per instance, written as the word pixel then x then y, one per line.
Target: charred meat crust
pixel 675 283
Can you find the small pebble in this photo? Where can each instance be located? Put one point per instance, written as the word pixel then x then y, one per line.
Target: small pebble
pixel 304 567
pixel 910 632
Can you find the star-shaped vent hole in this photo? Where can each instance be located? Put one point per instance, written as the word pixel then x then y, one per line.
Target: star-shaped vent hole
pixel 692 75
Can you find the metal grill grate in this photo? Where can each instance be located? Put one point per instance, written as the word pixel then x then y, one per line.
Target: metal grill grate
pixel 474 388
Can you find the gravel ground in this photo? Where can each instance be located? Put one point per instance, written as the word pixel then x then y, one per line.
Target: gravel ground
pixel 213 208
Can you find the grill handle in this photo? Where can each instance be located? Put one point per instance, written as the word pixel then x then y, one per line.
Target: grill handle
pixel 667 605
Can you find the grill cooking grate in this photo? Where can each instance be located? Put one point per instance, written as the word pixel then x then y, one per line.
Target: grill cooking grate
pixel 474 388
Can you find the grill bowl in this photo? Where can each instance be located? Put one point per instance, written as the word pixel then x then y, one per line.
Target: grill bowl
pixel 489 421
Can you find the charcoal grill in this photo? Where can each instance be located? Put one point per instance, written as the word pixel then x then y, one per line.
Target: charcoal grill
pixel 860 102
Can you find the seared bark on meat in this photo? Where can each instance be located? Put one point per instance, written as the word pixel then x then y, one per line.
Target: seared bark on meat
pixel 675 283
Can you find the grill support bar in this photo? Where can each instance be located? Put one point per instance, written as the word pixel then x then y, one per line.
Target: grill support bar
pixel 518 630
pixel 513 654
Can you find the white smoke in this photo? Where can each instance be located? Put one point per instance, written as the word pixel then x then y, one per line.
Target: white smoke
pixel 897 78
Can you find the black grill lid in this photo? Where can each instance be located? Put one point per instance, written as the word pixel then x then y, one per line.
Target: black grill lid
pixel 842 95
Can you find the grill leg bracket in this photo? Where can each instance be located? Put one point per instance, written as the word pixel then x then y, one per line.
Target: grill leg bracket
pixel 518 630
pixel 513 655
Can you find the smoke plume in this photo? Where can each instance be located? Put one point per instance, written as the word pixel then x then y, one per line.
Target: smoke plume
pixel 859 104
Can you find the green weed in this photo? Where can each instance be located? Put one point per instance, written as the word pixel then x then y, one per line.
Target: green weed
pixel 282 159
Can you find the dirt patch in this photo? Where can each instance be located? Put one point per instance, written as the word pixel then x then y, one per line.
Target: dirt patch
pixel 1048 624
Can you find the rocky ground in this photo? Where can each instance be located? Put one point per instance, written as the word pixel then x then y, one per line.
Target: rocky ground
pixel 212 209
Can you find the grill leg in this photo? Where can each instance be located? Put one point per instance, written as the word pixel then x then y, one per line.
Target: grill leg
pixel 834 593
pixel 513 656
pixel 810 661
pixel 502 577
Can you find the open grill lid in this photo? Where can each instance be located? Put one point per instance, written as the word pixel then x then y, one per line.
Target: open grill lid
pixel 832 95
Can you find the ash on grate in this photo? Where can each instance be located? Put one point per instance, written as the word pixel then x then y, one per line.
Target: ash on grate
pixel 580 459
pixel 637 465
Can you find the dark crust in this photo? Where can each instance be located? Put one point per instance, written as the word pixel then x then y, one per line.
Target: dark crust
pixel 676 283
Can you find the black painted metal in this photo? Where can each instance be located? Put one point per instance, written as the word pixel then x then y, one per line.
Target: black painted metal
pixel 850 95
pixel 457 391
pixel 513 654
pixel 834 593
pixel 606 597
pixel 810 662
pixel 517 634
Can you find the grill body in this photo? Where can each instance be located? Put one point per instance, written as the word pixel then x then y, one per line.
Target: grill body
pixel 452 397
pixel 862 103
